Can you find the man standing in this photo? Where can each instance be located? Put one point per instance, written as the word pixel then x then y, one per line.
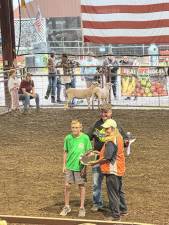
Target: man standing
pixel 112 164
pixel 111 66
pixel 27 92
pixel 97 134
pixel 52 82
pixel 68 78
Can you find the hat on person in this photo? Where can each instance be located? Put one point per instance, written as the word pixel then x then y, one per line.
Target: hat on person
pixel 109 123
pixel 106 107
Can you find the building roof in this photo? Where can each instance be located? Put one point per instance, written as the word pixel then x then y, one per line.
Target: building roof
pixel 51 8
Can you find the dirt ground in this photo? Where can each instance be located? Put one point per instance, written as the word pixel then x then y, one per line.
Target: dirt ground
pixel 31 179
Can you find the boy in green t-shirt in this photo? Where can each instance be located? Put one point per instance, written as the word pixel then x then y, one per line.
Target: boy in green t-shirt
pixel 75 145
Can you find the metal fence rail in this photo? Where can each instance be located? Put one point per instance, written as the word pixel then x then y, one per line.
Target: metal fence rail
pixel 151 85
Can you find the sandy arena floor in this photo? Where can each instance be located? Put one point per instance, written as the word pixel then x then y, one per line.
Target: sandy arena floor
pixel 31 148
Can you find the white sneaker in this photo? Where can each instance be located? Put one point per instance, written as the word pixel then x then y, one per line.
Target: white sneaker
pixel 95 208
pixel 65 211
pixel 82 212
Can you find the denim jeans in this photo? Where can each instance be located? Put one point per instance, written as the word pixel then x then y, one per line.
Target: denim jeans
pixel 51 84
pixel 26 100
pixel 97 186
pixel 73 82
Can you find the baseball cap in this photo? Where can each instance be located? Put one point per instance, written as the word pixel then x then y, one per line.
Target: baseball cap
pixel 109 123
pixel 106 107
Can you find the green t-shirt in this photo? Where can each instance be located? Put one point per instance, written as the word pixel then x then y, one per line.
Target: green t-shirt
pixel 75 147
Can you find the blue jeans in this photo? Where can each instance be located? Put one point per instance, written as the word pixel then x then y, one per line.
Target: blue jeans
pixel 26 100
pixel 97 186
pixel 51 84
pixel 73 82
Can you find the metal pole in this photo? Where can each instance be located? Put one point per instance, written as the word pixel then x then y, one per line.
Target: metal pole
pixel 8 40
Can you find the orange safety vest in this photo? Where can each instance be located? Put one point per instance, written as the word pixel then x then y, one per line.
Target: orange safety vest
pixel 118 166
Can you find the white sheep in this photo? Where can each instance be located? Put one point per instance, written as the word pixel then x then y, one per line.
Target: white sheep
pixel 102 94
pixel 85 93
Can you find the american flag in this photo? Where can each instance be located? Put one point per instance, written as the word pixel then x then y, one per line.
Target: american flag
pixel 38 21
pixel 125 21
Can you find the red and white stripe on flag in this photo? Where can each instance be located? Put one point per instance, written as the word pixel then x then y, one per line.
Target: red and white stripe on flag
pixel 38 21
pixel 125 21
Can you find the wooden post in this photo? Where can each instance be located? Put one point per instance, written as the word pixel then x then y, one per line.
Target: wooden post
pixel 8 41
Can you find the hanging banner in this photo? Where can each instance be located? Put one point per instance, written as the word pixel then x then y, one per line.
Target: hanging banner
pixel 145 85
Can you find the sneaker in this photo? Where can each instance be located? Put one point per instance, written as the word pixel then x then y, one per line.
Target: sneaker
pixel 65 211
pixel 82 212
pixel 53 99
pixel 95 208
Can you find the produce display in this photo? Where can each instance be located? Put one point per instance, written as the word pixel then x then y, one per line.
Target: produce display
pixel 144 86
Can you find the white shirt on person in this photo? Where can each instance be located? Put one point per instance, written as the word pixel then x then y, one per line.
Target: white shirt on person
pixel 13 83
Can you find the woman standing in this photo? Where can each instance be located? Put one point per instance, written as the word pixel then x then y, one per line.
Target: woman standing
pixel 13 86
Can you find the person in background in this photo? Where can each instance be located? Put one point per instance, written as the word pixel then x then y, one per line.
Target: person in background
pixel 13 86
pixel 112 165
pixel 68 66
pixel 52 81
pixel 97 134
pixel 89 69
pixel 110 66
pixel 75 145
pixel 27 92
pixel 68 78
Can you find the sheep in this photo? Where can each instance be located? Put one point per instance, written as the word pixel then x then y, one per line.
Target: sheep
pixel 85 93
pixel 102 94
